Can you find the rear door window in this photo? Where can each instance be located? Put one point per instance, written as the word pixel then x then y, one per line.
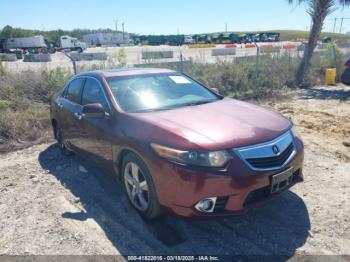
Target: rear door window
pixel 74 89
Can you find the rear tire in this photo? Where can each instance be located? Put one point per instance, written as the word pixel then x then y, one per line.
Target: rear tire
pixel 59 134
pixel 139 187
pixel 52 50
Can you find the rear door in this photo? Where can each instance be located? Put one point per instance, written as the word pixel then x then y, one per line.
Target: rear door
pixel 95 136
pixel 71 112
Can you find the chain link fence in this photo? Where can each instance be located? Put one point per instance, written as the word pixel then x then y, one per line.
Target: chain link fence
pixel 231 68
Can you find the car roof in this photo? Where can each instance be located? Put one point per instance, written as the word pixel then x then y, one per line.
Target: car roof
pixel 127 72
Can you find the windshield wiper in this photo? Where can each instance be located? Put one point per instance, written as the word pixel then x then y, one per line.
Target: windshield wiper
pixel 152 109
pixel 200 102
pixel 173 106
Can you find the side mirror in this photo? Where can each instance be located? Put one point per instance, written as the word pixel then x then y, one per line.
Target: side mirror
pixel 215 90
pixel 93 111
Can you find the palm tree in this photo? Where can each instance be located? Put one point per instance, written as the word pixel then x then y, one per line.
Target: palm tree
pixel 318 10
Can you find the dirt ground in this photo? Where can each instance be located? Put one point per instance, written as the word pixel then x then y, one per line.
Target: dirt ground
pixel 51 204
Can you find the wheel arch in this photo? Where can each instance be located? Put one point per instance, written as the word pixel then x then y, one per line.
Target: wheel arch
pixel 122 154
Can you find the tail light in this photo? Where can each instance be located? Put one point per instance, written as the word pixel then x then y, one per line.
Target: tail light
pixel 347 63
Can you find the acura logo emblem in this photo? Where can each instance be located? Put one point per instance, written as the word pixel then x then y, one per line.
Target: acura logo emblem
pixel 275 149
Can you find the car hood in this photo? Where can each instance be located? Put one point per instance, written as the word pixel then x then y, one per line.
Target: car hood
pixel 223 124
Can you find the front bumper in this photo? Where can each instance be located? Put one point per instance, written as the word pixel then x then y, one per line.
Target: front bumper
pixel 237 187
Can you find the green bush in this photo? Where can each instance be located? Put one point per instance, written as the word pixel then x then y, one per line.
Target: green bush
pixel 4 104
pixel 122 57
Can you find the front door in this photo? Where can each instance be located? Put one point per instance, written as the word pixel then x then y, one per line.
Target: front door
pixel 69 113
pixel 95 136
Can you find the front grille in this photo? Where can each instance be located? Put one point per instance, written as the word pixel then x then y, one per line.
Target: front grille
pixel 270 155
pixel 272 162
pixel 220 204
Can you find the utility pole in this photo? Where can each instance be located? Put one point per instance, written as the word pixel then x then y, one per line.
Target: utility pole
pixel 116 25
pixel 123 30
pixel 341 23
pixel 335 23
pixel 226 27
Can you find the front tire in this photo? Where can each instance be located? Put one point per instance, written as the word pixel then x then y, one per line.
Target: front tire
pixel 139 187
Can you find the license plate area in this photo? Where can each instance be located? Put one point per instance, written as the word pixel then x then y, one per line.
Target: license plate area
pixel 281 181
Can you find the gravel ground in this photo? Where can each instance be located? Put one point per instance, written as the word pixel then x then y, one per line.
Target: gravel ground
pixel 54 205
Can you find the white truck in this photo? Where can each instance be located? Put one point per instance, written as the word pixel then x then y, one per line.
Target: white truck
pixel 68 43
pixel 188 40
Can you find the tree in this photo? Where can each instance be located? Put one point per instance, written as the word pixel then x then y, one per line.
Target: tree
pixel 318 10
pixel 7 31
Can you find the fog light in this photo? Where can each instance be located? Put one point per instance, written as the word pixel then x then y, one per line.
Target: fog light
pixel 206 205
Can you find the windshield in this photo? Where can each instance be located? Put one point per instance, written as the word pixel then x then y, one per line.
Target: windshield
pixel 153 92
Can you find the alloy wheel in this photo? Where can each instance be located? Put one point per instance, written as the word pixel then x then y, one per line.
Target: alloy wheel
pixel 136 186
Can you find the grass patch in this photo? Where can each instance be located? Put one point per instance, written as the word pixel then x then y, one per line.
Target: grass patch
pixel 24 106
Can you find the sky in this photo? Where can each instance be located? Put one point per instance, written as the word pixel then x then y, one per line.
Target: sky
pixel 162 16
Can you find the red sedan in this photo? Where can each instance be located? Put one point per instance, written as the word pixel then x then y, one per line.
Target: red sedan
pixel 175 144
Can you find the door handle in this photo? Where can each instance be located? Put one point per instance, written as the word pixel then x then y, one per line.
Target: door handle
pixel 78 116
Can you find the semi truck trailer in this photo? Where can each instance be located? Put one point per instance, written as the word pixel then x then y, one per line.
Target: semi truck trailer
pixel 33 44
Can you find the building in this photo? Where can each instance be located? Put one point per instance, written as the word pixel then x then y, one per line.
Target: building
pixel 113 38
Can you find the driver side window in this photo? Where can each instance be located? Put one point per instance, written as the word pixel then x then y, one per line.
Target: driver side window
pixel 93 93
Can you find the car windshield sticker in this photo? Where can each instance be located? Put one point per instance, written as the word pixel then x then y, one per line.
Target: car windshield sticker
pixel 180 80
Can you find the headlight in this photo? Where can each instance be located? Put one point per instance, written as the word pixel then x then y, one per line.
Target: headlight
pixel 196 158
pixel 295 131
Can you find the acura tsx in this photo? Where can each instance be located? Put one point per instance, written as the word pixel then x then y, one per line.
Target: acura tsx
pixel 175 145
